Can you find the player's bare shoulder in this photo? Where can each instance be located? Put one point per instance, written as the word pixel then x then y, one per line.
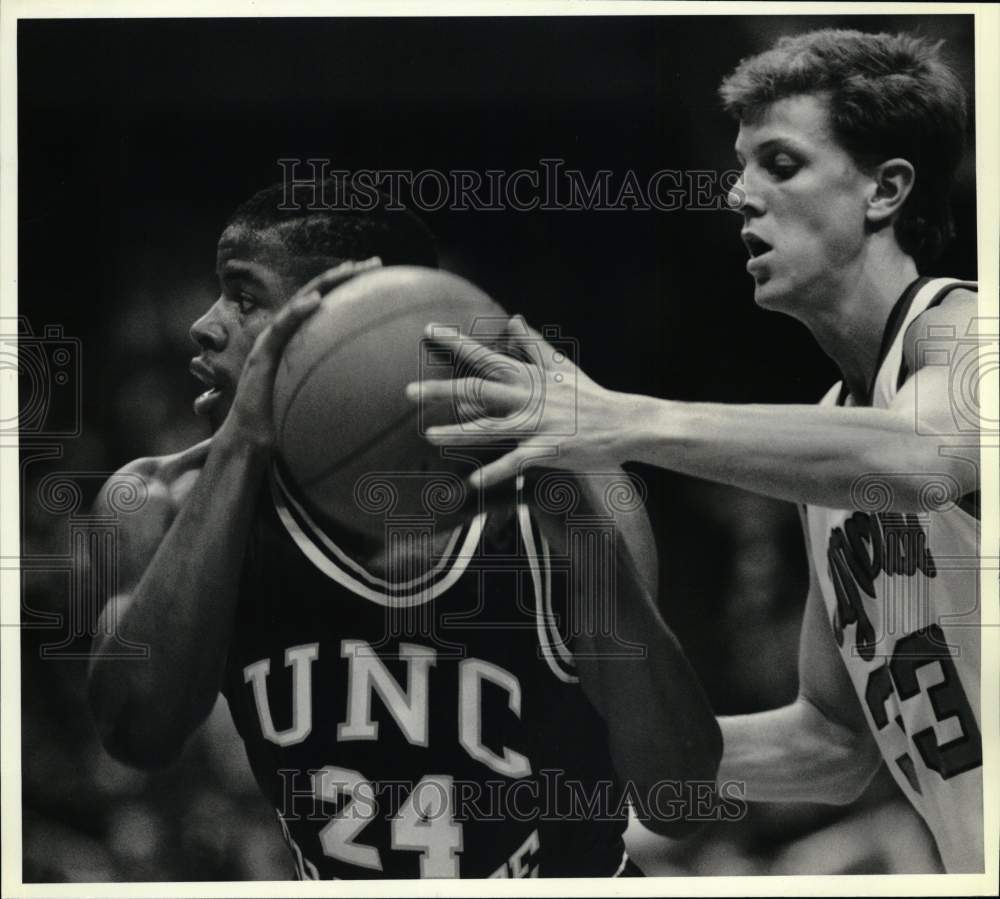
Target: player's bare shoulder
pixel 941 326
pixel 163 480
pixel 162 483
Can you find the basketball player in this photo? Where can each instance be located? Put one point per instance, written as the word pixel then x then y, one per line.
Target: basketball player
pixel 848 144
pixel 441 724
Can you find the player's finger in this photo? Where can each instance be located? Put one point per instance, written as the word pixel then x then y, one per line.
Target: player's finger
pixel 471 397
pixel 467 350
pixel 273 338
pixel 505 468
pixel 307 300
pixel 516 327
pixel 474 432
pixel 511 331
pixel 519 333
pixel 523 342
pixel 334 277
pixel 437 391
pixel 472 359
pixel 528 455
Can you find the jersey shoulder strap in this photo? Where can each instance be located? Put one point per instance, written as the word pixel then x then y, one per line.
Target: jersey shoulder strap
pixel 552 645
pixel 895 370
pixel 930 295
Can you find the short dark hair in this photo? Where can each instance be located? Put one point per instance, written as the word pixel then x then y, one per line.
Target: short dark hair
pixel 347 224
pixel 890 95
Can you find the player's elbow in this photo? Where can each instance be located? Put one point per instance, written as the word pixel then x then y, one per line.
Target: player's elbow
pixel 676 792
pixel 698 783
pixel 684 815
pixel 843 758
pixel 680 808
pixel 859 760
pixel 691 754
pixel 710 746
pixel 132 748
pixel 698 759
pixel 136 738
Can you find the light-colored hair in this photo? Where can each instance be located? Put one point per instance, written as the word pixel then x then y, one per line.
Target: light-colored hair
pixel 890 95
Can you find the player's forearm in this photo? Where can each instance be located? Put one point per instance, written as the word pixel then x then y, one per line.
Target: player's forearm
pixel 182 609
pixel 661 728
pixel 642 699
pixel 804 454
pixel 795 754
pixel 635 669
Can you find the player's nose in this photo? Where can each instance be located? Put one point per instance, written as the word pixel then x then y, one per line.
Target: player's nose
pixel 208 331
pixel 742 199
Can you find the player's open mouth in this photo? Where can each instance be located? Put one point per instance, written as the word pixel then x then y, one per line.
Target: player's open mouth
pixel 756 247
pixel 204 402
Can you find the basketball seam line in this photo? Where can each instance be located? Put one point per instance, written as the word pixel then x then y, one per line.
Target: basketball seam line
pixel 360 450
pixel 336 346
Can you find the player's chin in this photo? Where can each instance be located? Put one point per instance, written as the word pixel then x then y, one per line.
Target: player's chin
pixel 213 404
pixel 771 293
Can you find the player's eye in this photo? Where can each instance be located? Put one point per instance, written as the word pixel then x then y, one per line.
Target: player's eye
pixel 782 166
pixel 245 303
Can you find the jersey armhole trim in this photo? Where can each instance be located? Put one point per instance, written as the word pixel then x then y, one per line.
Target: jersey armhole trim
pixel 936 300
pixel 969 503
pixel 553 648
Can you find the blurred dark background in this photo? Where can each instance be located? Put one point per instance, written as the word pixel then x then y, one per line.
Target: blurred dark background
pixel 138 137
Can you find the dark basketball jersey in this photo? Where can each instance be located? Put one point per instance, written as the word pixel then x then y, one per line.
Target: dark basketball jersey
pixel 425 724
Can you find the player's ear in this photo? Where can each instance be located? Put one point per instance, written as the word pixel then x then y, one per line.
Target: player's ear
pixel 892 182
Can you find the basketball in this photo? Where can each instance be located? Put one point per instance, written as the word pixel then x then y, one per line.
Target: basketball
pixel 349 440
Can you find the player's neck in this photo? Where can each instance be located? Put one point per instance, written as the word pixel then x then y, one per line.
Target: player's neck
pixel 850 326
pixel 410 559
pixel 401 561
pixel 407 559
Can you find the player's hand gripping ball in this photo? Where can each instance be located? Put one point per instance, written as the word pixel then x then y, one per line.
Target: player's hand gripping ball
pixel 348 440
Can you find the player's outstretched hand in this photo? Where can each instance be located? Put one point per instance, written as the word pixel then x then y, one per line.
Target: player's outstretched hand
pixel 528 392
pixel 251 416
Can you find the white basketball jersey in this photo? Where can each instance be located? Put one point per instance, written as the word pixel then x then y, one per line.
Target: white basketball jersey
pixel 902 594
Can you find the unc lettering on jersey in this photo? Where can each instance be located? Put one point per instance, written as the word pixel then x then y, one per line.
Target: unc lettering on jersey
pixel 300 658
pixel 472 673
pixel 367 676
pixel 374 744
